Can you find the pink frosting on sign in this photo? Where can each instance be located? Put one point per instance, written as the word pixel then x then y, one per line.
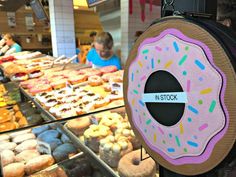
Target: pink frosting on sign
pixel 205 118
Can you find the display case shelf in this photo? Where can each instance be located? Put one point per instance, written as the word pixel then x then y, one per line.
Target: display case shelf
pixel 105 169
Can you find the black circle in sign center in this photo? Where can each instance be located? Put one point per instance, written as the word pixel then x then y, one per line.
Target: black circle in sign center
pixel 167 114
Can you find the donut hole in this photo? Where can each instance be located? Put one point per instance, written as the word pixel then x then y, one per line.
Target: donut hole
pixel 167 114
pixel 135 161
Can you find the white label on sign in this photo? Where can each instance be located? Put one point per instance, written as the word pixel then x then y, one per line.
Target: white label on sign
pixel 168 97
pixel 43 147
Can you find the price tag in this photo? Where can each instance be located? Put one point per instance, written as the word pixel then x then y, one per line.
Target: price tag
pixel 43 147
pixel 168 97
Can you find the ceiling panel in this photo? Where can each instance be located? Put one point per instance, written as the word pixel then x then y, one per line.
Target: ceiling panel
pixel 11 5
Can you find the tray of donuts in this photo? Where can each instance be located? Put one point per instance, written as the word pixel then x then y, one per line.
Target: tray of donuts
pixel 109 135
pixel 69 102
pixel 76 166
pixel 20 115
pixel 56 79
pixel 32 150
pixel 9 95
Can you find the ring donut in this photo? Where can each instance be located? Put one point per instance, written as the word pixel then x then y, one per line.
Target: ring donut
pixel 95 80
pixel 177 92
pixel 131 166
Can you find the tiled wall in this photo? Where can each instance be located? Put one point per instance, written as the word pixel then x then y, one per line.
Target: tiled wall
pixel 132 23
pixel 62 27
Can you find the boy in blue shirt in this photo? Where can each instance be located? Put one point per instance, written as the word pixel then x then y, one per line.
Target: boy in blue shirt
pixel 102 54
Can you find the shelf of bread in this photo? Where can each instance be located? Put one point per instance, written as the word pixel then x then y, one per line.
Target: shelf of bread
pixel 32 150
pixel 109 137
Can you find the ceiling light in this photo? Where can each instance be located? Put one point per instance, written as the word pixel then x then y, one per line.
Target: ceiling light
pixel 76 7
pixel 1 5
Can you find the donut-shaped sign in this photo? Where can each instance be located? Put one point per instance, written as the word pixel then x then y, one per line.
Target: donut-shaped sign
pixel 178 86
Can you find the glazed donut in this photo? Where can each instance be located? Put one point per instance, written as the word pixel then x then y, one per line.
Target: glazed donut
pixel 58 84
pixel 106 77
pixel 40 88
pixel 90 72
pixel 131 166
pixel 107 87
pixel 76 79
pixel 108 69
pixel 100 102
pixel 189 65
pixel 95 80
pixel 78 126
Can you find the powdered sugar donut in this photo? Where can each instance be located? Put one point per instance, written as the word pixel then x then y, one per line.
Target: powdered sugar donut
pixel 175 85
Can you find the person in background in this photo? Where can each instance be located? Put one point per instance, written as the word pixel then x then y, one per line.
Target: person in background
pixel 102 54
pixel 11 42
pixel 227 22
pixel 77 50
pixel 92 35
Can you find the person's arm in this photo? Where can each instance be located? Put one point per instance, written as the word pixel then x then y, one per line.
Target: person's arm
pixel 118 63
pixel 10 51
pixel 90 57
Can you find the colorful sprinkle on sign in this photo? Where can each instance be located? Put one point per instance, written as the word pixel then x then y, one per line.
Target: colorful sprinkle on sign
pixel 132 77
pixel 212 106
pixel 135 91
pixel 189 119
pixel 181 128
pixel 155 137
pixel 140 64
pixel 203 127
pixel 143 78
pixel 184 73
pixel 185 150
pixel 152 63
pixel 200 102
pixel 192 109
pixel 199 64
pixel 141 103
pixel 170 149
pixel 158 48
pixel 148 121
pixel 170 135
pixel 176 46
pixel 206 91
pixel 183 59
pixel 177 141
pixel 164 142
pixel 186 48
pixel 188 85
pixel 145 51
pixel 133 102
pixel 160 130
pixel 168 64
pixel 159 61
pixel 193 144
